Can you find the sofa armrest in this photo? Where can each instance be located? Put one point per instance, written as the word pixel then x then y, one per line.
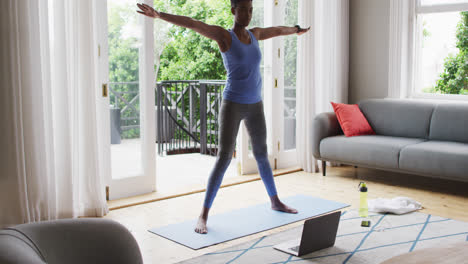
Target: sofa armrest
pixel 16 248
pixel 324 125
pixel 82 240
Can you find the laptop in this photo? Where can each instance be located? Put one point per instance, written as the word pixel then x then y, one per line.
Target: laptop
pixel 318 233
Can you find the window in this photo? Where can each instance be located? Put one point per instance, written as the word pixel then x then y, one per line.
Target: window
pixel 441 49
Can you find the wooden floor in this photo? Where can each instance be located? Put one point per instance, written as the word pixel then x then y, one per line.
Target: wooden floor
pixel 438 197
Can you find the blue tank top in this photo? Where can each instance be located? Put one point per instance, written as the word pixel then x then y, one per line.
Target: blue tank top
pixel 242 63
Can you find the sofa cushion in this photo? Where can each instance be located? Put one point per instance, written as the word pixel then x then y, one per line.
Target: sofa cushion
pixel 371 150
pixel 450 122
pixel 397 117
pixel 351 119
pixel 437 158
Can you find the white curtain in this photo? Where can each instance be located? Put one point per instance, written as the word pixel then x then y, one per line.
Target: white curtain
pixel 322 68
pixel 400 72
pixel 50 157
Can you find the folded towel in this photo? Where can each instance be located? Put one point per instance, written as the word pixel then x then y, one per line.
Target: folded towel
pixel 397 205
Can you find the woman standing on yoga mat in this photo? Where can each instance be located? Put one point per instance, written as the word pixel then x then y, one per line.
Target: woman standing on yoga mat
pixel 242 98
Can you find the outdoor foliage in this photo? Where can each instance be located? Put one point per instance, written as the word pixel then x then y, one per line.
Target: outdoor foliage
pixel 123 50
pixel 190 56
pixel 290 58
pixel 454 79
pixel 290 45
pixel 123 64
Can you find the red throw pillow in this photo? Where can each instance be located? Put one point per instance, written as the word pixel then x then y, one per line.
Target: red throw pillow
pixel 351 119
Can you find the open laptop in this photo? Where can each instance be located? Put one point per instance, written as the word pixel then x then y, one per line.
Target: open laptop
pixel 318 233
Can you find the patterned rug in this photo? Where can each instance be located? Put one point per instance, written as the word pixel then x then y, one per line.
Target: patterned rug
pixel 388 236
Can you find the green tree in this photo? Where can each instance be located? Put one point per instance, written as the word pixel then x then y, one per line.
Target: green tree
pixel 454 79
pixel 191 56
pixel 123 52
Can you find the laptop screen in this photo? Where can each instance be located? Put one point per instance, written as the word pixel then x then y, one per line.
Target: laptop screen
pixel 319 232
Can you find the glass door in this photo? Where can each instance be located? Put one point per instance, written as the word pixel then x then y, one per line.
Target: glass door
pixel 128 71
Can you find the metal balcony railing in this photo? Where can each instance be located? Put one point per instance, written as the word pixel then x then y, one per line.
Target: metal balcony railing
pixel 186 114
pixel 189 119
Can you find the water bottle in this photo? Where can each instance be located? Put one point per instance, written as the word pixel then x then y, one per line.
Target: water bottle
pixel 363 209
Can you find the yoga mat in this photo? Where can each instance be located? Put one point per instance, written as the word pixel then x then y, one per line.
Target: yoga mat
pixel 246 221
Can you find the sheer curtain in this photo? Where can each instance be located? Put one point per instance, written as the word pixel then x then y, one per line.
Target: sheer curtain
pixel 400 47
pixel 50 155
pixel 322 68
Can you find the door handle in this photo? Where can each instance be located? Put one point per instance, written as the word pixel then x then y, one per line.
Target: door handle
pixel 105 90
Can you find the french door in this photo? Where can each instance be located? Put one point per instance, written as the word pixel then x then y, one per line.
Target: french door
pixel 279 89
pixel 128 128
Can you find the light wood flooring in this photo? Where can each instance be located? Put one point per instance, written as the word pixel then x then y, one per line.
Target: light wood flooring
pixel 438 197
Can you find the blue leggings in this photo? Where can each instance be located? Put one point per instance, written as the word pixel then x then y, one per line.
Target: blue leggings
pixel 230 117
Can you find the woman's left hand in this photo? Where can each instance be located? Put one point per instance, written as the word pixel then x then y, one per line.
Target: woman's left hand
pixel 303 30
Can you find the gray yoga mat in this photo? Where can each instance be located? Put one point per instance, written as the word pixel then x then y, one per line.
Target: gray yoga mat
pixel 246 221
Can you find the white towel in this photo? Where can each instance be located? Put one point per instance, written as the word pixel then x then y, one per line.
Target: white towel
pixel 397 205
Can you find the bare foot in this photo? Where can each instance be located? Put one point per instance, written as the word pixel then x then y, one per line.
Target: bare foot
pixel 277 205
pixel 284 208
pixel 201 226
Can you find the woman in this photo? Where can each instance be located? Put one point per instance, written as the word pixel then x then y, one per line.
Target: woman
pixel 241 97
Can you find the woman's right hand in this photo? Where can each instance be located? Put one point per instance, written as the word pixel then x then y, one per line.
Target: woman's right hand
pixel 148 11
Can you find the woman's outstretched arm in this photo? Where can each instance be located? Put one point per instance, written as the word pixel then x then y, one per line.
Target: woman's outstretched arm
pixel 215 33
pixel 271 32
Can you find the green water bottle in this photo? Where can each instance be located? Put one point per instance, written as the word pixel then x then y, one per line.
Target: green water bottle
pixel 363 209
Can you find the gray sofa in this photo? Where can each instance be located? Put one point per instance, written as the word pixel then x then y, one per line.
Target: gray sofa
pixel 83 240
pixel 412 136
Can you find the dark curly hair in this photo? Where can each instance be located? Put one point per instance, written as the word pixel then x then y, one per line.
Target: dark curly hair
pixel 235 2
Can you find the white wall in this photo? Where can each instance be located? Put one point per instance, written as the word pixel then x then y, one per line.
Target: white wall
pixel 369 35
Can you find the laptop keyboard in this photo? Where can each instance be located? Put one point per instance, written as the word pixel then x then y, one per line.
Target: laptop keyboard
pixel 295 249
